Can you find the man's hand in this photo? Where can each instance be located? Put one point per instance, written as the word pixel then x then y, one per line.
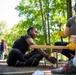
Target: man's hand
pixel 52 59
pixel 60 33
pixel 26 56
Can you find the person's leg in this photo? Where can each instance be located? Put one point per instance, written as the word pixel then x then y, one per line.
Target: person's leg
pixel 14 56
pixel 2 55
pixel 68 53
pixel 34 59
pixel 33 52
pixel 69 68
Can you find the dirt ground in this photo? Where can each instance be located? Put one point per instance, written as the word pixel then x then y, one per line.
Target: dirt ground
pixel 4 68
pixel 8 70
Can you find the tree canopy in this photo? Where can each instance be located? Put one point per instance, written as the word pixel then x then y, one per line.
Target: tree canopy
pixel 43 14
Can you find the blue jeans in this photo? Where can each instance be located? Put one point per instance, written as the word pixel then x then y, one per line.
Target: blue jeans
pixel 1 54
pixel 16 54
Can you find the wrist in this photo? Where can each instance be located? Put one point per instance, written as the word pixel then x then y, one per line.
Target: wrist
pixel 47 56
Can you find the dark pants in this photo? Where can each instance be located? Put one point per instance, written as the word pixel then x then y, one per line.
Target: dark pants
pixel 68 53
pixel 16 54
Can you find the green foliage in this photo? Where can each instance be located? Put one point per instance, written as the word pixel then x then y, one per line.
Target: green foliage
pixel 2 28
pixel 29 11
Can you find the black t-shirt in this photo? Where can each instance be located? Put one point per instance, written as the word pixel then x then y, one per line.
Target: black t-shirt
pixel 22 44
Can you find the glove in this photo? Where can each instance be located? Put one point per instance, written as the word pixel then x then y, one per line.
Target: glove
pixel 71 46
pixel 60 33
pixel 52 59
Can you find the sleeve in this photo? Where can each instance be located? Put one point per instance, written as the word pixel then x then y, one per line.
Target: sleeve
pixel 68 24
pixel 27 36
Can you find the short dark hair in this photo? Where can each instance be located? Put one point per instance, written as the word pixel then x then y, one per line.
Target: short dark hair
pixel 30 28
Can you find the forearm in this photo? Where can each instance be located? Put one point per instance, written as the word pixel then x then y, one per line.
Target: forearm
pixel 49 58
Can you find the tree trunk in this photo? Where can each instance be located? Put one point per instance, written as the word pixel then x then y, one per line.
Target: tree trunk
pixel 69 8
pixel 43 23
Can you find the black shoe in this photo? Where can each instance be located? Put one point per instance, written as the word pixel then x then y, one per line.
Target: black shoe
pixel 35 62
pixel 19 64
pixel 69 69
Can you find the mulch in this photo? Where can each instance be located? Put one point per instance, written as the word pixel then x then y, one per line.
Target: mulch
pixel 4 68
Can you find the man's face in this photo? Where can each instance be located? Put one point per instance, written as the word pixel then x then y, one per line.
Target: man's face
pixel 34 32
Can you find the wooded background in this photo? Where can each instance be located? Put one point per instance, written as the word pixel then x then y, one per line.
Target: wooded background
pixel 43 14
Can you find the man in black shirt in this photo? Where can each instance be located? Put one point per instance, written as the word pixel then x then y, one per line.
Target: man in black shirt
pixel 18 55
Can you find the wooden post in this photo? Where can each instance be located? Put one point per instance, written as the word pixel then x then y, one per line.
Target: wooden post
pixel 57 58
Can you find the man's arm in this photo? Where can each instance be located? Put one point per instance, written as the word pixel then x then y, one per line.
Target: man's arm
pixel 66 32
pixel 31 42
pixel 43 53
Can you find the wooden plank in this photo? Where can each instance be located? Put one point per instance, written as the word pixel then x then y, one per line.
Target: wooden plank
pixel 47 46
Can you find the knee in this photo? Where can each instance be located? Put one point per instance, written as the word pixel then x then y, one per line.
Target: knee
pixel 39 57
pixel 57 43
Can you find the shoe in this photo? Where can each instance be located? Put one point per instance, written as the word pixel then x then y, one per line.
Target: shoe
pixel 35 62
pixel 19 64
pixel 69 68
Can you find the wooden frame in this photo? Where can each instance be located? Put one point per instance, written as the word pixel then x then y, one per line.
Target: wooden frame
pixel 47 46
pixel 52 47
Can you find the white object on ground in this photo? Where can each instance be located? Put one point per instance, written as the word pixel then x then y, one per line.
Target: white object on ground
pixel 38 72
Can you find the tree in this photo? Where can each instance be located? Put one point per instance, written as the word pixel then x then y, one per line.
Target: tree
pixel 43 14
pixel 69 8
pixel 2 28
